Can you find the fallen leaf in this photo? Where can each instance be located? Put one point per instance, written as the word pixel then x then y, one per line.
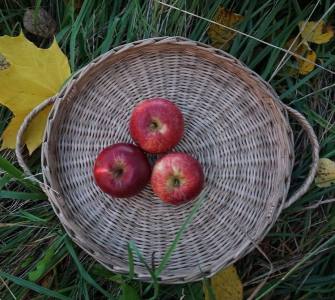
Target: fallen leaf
pixel 226 285
pixel 313 32
pixel 221 37
pixel 31 76
pixel 39 22
pixel 304 66
pixel 301 49
pixel 325 176
pixel 316 32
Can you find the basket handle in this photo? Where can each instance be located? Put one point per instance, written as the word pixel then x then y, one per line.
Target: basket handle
pixel 298 116
pixel 315 155
pixel 19 138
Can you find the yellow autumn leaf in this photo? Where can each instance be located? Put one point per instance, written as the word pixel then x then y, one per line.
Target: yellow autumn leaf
pixel 305 66
pixel 226 285
pixel 28 75
pixel 301 49
pixel 221 37
pixel 316 32
pixel 325 176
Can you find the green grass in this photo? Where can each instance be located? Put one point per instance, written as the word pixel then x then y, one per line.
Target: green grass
pixel 37 259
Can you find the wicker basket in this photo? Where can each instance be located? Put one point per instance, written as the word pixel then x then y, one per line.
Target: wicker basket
pixel 235 126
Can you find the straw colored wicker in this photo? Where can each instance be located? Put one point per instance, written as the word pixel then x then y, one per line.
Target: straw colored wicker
pixel 235 126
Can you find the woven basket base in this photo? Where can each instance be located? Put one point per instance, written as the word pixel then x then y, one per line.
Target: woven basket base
pixel 235 126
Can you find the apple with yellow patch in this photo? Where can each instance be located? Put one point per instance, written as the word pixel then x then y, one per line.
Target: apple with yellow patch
pixel 156 125
pixel 177 178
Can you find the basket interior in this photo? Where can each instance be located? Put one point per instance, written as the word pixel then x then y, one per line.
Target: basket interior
pixel 233 127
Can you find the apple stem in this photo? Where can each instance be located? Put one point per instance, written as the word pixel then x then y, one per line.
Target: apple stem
pixel 176 182
pixel 154 125
pixel 117 172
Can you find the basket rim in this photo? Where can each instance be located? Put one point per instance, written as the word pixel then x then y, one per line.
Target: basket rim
pixel 67 93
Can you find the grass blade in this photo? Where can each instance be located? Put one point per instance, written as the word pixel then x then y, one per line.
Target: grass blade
pixel 174 244
pixel 134 248
pixel 87 277
pixel 33 286
pixel 22 196
pixel 13 171
pixel 130 263
pixel 86 7
pixel 109 36
pixel 296 267
pixel 4 180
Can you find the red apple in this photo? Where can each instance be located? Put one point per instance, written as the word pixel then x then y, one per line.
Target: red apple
pixel 121 170
pixel 177 178
pixel 156 125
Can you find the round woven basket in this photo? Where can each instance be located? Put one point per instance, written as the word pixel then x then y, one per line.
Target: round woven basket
pixel 235 126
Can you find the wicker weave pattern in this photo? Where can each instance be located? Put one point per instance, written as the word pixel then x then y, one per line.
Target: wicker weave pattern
pixel 235 126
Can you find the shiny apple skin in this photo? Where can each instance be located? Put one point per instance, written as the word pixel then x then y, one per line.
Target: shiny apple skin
pixel 177 178
pixel 156 125
pixel 121 170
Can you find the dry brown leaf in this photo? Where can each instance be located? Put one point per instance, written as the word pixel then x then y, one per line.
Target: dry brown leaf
pixel 39 22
